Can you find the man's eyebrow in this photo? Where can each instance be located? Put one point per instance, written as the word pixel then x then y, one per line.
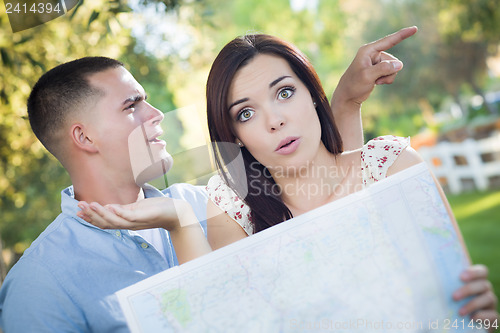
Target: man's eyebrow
pixel 238 102
pixel 136 98
pixel 275 82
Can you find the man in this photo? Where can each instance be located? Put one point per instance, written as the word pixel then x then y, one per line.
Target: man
pixel 84 112
pixel 87 113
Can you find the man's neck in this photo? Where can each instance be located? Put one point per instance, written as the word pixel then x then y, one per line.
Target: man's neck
pixel 106 191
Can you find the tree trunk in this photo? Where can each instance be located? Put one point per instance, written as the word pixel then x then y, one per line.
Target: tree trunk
pixel 492 109
pixel 456 98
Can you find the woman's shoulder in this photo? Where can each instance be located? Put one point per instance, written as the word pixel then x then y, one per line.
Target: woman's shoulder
pixel 379 154
pixel 215 183
pixel 388 143
pixel 229 202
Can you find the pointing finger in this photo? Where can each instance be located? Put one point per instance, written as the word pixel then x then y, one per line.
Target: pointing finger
pixel 387 42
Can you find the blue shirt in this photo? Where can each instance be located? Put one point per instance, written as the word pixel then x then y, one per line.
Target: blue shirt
pixel 65 280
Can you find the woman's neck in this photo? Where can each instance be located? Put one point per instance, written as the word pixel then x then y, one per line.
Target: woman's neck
pixel 318 182
pixel 309 185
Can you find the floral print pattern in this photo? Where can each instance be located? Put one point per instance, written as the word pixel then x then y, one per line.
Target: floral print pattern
pixel 378 155
pixel 376 158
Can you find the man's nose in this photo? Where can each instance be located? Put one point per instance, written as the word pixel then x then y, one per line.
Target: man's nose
pixel 154 116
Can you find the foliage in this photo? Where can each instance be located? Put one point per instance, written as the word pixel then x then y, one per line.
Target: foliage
pixel 316 31
pixel 30 178
pixel 474 20
pixel 477 215
pixel 445 60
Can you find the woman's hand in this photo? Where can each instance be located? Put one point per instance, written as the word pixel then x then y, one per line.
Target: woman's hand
pixel 483 304
pixel 161 212
pixel 371 66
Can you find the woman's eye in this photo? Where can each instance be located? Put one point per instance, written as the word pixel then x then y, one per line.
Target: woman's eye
pixel 245 115
pixel 285 93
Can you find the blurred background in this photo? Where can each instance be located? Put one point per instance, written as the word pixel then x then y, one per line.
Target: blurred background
pixel 447 98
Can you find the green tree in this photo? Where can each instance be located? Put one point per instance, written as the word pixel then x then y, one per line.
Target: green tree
pixel 446 59
pixel 30 178
pixel 471 31
pixel 317 30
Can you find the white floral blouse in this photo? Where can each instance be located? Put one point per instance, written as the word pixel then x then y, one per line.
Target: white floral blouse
pixel 376 158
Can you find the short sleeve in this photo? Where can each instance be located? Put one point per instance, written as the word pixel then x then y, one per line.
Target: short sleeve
pixel 379 154
pixel 225 198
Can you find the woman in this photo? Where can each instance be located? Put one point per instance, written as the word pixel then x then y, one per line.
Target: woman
pixel 264 96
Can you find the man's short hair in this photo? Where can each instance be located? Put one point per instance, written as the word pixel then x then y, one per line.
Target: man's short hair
pixel 60 92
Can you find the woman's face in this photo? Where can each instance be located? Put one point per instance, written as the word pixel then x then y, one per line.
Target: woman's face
pixel 273 114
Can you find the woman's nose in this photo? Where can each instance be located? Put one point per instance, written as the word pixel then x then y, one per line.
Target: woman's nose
pixel 275 120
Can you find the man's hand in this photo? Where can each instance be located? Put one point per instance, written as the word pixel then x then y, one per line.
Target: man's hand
pixel 161 212
pixel 177 216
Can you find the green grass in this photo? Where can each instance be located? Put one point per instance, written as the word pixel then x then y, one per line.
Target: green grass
pixel 478 215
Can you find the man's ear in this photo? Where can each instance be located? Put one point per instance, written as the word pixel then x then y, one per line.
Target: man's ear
pixel 81 139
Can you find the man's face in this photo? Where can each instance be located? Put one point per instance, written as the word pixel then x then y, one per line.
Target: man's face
pixel 125 128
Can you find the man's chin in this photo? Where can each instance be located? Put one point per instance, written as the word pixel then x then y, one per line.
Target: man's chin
pixel 155 170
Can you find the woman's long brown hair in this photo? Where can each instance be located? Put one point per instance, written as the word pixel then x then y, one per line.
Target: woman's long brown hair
pixel 266 204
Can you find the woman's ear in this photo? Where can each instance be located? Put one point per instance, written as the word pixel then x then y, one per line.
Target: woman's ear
pixel 239 143
pixel 81 140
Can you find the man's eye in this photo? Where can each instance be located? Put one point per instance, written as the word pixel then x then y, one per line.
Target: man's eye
pixel 245 115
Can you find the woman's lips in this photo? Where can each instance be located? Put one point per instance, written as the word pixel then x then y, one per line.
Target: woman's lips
pixel 288 145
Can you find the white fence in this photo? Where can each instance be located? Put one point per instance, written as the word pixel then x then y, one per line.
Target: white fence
pixel 454 163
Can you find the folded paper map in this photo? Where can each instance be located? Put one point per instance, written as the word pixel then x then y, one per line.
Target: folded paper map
pixel 383 259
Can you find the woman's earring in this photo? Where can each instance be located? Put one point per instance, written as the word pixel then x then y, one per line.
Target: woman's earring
pixel 314 103
pixel 240 144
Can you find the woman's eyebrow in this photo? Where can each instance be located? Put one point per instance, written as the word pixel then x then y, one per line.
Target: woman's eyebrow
pixel 238 102
pixel 275 82
pixel 272 84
